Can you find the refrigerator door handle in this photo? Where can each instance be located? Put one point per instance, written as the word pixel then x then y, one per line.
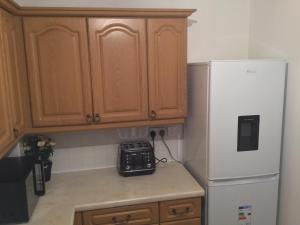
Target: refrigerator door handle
pixel 242 181
pixel 242 178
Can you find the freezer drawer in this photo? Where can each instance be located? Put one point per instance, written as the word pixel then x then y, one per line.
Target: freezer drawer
pixel 246 202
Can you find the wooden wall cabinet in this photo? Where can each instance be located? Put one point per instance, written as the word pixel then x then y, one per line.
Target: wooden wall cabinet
pixel 167 60
pixel 119 69
pixel 58 71
pixel 127 83
pixel 6 134
pixel 89 69
pixel 15 69
pixel 13 76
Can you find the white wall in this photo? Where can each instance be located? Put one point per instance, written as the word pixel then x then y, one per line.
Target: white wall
pixel 220 30
pixel 275 32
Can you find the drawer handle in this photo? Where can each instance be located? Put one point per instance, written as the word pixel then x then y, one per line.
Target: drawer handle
pixel 186 211
pixel 121 222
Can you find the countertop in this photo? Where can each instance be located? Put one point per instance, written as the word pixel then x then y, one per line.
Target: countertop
pixel 104 188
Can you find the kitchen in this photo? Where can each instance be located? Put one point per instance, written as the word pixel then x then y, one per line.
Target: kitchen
pixel 228 30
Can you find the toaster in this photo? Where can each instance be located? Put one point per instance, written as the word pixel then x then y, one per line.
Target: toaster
pixel 136 158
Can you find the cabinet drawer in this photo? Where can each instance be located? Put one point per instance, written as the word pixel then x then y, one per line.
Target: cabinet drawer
pixel 184 222
pixel 180 209
pixel 133 215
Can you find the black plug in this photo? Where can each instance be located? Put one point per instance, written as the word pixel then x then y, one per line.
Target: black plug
pixel 162 133
pixel 153 135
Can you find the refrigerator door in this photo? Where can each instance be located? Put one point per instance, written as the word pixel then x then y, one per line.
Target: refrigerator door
pixel 245 122
pixel 247 202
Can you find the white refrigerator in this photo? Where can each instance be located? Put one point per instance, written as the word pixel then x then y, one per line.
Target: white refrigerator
pixel 232 138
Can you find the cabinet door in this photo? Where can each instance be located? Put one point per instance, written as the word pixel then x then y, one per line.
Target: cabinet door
pixel 59 73
pixel 119 71
pixel 6 135
pixel 143 214
pixel 167 68
pixel 180 209
pixel 14 68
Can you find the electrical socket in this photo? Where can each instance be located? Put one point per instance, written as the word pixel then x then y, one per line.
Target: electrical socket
pixel 156 130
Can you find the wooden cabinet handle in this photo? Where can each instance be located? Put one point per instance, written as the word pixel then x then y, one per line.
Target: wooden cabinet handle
pixel 153 114
pixel 121 222
pixel 97 118
pixel 89 118
pixel 186 211
pixel 16 132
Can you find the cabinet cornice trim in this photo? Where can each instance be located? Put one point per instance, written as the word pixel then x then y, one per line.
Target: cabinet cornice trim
pixel 10 6
pixel 16 9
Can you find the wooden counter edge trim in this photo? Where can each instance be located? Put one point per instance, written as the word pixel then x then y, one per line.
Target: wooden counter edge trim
pixel 16 9
pixel 37 130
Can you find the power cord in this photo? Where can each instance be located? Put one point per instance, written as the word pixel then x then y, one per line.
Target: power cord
pixel 162 136
pixel 162 160
pixel 153 135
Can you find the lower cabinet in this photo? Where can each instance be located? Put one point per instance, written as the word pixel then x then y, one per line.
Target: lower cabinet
pixel 134 214
pixel 179 209
pixel 175 212
pixel 196 221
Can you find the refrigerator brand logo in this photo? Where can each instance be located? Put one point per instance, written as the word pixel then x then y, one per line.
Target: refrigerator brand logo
pixel 250 71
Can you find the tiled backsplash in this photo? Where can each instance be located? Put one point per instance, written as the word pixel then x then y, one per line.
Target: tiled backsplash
pixel 98 149
pixel 100 156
